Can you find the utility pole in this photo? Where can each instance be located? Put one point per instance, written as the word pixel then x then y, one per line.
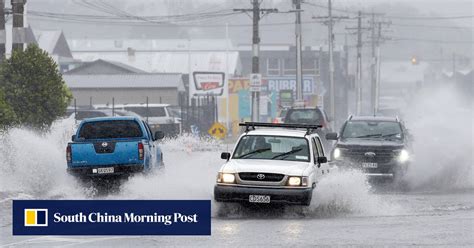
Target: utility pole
pixel 373 62
pixel 18 7
pixel 331 65
pixel 376 40
pixel 256 11
pixel 299 69
pixel 359 65
pixel 359 85
pixel 2 30
pixel 329 20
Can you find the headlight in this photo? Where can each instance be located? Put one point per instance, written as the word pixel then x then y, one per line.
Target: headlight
pixel 403 156
pixel 225 178
pixel 294 181
pixel 337 153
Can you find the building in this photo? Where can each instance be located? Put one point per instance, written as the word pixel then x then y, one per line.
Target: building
pixel 162 56
pixel 103 67
pixel 55 44
pixel 278 69
pixel 90 89
pixel 52 41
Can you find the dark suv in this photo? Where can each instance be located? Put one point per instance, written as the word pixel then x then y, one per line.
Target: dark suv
pixel 380 146
pixel 312 116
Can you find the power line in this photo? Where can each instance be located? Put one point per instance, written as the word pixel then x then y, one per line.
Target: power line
pixel 431 17
pixel 394 39
pixel 430 26
pixel 111 20
pixel 394 16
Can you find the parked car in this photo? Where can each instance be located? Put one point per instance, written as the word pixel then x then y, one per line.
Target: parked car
pixel 311 116
pixel 158 116
pixel 107 146
pixel 274 164
pixel 281 116
pixel 380 146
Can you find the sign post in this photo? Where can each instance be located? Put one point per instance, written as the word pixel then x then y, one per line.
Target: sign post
pixel 255 88
pixel 255 82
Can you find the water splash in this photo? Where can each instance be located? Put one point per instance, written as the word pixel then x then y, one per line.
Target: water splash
pixel 34 163
pixel 442 126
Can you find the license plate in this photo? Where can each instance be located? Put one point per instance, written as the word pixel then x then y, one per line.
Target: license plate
pixel 369 165
pixel 259 198
pixel 106 170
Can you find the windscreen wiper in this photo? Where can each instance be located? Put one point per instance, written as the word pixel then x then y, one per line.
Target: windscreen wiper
pixel 287 153
pixel 369 135
pixel 254 152
pixel 390 134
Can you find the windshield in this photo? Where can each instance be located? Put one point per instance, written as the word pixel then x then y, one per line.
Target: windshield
pixel 272 147
pixel 312 116
pixel 372 129
pixel 110 129
pixel 152 111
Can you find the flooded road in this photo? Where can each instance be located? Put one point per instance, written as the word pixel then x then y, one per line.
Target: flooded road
pixel 345 210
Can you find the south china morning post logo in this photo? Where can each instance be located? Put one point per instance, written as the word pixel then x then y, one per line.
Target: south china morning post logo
pixel 36 217
pixel 111 217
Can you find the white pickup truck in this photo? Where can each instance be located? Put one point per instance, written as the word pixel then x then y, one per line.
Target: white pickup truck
pixel 157 115
pixel 277 163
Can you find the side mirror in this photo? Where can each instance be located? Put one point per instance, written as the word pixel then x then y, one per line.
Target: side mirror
pixel 225 155
pixel 331 136
pixel 322 160
pixel 159 135
pixel 73 137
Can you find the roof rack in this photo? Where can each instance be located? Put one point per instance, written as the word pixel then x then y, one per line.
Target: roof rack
pixel 309 128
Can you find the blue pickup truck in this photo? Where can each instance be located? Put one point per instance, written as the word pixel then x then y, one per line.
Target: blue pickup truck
pixel 113 146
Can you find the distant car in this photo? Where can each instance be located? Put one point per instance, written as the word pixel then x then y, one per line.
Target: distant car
pixel 113 146
pixel 272 164
pixel 380 146
pixel 311 116
pixel 158 116
pixel 81 114
pixel 281 116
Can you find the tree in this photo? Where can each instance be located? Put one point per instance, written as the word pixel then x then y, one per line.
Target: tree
pixel 34 88
pixel 7 116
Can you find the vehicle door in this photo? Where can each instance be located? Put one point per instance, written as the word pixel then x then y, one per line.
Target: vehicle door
pixel 324 167
pixel 150 144
pixel 316 167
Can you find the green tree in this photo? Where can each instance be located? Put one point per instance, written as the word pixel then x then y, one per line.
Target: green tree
pixel 34 88
pixel 7 116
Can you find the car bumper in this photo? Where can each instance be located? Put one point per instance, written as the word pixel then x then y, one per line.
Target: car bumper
pixel 119 170
pixel 229 193
pixel 385 171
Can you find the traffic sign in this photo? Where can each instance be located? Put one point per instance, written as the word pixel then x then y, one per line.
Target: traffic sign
pixel 255 82
pixel 217 131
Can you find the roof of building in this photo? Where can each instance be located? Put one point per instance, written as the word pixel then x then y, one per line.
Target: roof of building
pixel 162 56
pixel 47 39
pixel 124 81
pixel 78 45
pixel 120 66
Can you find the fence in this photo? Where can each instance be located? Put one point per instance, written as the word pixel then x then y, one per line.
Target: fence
pixel 198 114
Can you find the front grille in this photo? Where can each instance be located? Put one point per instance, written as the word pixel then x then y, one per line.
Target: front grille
pixel 267 177
pixel 358 154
